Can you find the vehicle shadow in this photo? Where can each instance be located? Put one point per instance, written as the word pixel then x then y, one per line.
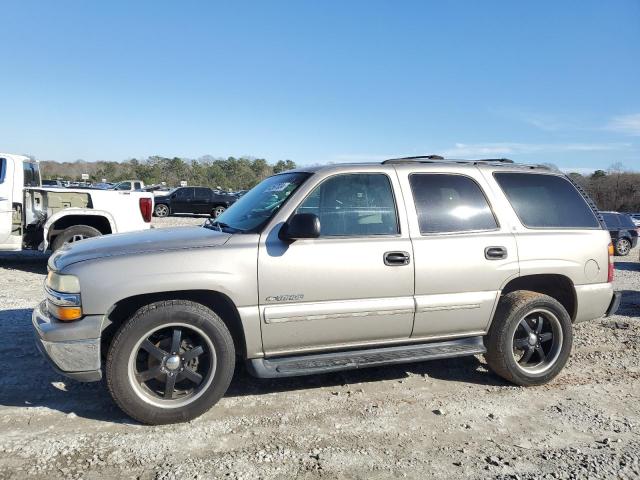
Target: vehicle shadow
pixel 627 266
pixel 463 369
pixel 28 381
pixel 30 262
pixel 35 384
pixel 629 304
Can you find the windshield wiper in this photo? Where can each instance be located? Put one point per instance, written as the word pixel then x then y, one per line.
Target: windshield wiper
pixel 220 226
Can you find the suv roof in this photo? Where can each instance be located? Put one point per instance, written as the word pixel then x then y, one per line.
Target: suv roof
pixel 430 159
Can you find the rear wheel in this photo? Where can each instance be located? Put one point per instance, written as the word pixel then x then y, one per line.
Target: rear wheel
pixel 623 247
pixel 74 234
pixel 170 362
pixel 161 210
pixel 530 339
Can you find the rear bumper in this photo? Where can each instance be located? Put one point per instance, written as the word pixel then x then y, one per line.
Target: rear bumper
pixel 614 305
pixel 593 301
pixel 64 346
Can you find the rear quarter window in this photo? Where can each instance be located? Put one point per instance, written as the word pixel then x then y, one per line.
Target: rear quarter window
pixel 546 201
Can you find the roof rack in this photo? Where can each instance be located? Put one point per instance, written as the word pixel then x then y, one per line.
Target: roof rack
pixel 438 158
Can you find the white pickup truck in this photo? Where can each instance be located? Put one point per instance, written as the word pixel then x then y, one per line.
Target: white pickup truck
pixel 33 217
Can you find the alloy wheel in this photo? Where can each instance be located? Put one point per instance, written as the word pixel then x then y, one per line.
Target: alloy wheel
pixel 537 341
pixel 172 365
pixel 162 210
pixel 623 246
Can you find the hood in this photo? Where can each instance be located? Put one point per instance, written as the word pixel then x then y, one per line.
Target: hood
pixel 154 240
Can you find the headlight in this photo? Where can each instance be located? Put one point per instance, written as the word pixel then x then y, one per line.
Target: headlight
pixel 63 296
pixel 63 283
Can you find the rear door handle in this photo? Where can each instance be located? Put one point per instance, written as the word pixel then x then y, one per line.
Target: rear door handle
pixel 396 258
pixel 495 253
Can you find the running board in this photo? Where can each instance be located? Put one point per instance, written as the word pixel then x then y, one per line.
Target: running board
pixel 294 366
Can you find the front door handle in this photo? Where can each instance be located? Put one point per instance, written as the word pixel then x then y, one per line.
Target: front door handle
pixel 495 253
pixel 396 258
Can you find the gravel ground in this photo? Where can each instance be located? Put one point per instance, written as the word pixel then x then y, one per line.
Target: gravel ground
pixel 440 419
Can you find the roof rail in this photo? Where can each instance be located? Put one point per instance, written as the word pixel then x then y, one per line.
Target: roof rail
pixel 438 158
pixel 411 159
pixel 500 160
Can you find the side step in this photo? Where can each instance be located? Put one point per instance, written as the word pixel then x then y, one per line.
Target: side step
pixel 294 366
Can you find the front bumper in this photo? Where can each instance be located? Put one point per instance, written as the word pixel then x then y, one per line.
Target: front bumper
pixel 71 347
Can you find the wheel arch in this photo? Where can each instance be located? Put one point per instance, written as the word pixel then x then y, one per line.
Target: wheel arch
pixel 216 301
pixel 100 220
pixel 556 286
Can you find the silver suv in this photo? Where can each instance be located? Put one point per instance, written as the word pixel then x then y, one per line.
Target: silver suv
pixel 332 268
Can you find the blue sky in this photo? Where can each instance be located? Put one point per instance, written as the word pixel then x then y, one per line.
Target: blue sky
pixel 328 81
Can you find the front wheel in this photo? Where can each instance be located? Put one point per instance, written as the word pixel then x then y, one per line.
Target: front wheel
pixel 170 362
pixel 623 247
pixel 530 338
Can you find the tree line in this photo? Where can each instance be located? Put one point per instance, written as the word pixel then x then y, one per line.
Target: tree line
pixel 614 189
pixel 227 173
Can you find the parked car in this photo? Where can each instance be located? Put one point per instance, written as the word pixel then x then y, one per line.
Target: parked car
pixel 103 186
pixel 624 233
pixel 52 183
pixel 157 189
pixel 635 217
pixel 331 268
pixel 202 200
pixel 35 217
pixel 128 185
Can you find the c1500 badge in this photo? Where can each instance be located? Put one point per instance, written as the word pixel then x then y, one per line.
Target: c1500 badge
pixel 284 298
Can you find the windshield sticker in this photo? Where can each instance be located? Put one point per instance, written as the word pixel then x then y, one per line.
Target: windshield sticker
pixel 278 187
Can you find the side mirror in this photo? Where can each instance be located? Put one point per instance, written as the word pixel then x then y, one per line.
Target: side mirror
pixel 301 225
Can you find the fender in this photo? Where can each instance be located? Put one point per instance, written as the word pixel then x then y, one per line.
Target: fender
pixel 74 211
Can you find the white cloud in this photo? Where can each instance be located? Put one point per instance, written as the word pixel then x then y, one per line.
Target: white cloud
pixel 514 148
pixel 548 123
pixel 627 124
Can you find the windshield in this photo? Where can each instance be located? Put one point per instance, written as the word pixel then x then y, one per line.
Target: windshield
pixel 259 204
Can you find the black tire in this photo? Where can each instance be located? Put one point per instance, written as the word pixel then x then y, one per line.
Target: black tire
pixel 509 337
pixel 623 246
pixel 74 234
pixel 218 210
pixel 161 210
pixel 138 400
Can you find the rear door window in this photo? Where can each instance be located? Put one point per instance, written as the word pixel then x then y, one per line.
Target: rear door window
pixel 3 169
pixel 546 201
pixel 450 203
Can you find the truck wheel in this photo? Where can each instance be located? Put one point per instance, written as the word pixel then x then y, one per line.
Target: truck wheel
pixel 623 247
pixel 161 210
pixel 74 234
pixel 216 212
pixel 530 338
pixel 170 362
